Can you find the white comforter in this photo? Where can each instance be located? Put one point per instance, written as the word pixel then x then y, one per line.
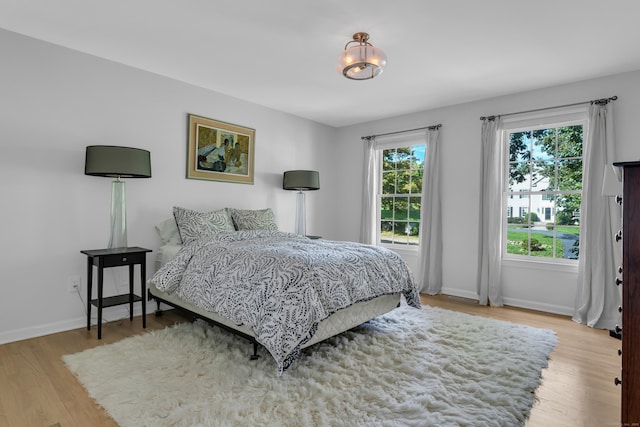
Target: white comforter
pixel 280 284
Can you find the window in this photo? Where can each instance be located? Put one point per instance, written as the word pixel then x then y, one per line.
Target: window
pixel 545 171
pixel 400 196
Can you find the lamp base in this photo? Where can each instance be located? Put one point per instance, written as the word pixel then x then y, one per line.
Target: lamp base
pixel 301 226
pixel 118 237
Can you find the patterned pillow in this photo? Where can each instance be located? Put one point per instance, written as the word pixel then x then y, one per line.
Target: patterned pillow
pixel 194 225
pixel 245 219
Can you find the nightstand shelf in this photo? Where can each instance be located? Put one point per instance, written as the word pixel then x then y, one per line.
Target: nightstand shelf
pixel 116 257
pixel 115 300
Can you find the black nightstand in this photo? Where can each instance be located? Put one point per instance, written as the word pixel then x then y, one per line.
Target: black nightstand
pixel 116 257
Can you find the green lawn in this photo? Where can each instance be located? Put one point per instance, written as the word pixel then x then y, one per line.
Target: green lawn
pixel 515 244
pixel 571 230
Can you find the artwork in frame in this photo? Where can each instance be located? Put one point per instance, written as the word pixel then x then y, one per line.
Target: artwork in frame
pixel 220 151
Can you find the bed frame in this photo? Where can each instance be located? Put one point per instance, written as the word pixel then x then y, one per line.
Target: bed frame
pixel 338 322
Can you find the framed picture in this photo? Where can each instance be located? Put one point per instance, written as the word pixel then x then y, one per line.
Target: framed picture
pixel 220 151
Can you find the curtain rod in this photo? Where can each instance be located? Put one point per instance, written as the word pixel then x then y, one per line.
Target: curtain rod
pixel 594 101
pixel 434 127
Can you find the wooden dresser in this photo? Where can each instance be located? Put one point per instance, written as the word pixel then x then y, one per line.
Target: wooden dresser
pixel 630 380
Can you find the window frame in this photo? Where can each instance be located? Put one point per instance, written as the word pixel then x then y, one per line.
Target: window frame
pixel 555 118
pixel 411 139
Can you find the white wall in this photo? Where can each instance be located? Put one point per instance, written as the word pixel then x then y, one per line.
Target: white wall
pixel 528 285
pixel 54 102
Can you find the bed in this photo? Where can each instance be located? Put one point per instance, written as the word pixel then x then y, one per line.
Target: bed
pixel 281 290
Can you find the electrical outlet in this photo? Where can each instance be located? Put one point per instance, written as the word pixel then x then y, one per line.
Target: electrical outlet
pixel 74 284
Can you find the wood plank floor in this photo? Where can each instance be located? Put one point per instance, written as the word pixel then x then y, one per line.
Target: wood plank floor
pixel 577 389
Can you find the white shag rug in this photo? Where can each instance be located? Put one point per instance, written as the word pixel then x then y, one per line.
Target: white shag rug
pixel 429 367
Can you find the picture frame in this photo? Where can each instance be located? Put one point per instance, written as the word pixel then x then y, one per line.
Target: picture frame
pixel 220 151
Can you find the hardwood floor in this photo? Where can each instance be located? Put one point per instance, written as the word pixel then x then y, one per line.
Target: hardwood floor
pixel 577 389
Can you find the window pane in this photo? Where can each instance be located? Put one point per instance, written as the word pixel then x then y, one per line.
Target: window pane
pixel 519 146
pixel 568 209
pixel 403 160
pixel 544 176
pixel 386 231
pixel 544 144
pixel 401 208
pixel 416 181
pixel 386 208
pixel 517 239
pixel 415 205
pixel 519 176
pixel 389 159
pixel 414 236
pixel 389 183
pixel 403 183
pixel 536 209
pixel 417 160
pixel 514 212
pixel 570 141
pixel 401 229
pixel 570 174
pixel 569 236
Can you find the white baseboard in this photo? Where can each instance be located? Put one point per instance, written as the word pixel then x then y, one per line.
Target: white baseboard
pixel 539 306
pixel 515 302
pixel 460 293
pixel 108 314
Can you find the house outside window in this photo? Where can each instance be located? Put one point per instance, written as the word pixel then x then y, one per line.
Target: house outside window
pixel 400 200
pixel 544 169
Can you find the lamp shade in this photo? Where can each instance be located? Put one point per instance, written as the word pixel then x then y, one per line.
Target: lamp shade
pixel 301 180
pixel 114 161
pixel 611 181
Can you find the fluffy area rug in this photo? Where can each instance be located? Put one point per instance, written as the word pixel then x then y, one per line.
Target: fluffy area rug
pixel 429 367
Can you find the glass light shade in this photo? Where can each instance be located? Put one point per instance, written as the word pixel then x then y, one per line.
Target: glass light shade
pixel 611 181
pixel 362 62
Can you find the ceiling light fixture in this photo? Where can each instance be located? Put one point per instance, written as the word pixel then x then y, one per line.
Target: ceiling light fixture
pixel 361 61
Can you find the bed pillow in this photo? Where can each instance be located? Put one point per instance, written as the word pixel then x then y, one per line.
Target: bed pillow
pixel 245 219
pixel 168 231
pixel 194 225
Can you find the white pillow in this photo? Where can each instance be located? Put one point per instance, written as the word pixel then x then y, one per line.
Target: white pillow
pixel 168 231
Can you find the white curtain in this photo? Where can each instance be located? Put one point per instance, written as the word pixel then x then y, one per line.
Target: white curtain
pixel 598 298
pixel 369 192
pixel 490 234
pixel 430 255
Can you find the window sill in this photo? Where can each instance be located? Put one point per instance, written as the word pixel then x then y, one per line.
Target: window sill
pixel 532 264
pixel 401 248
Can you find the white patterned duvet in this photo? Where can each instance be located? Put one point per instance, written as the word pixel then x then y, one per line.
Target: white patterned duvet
pixel 281 285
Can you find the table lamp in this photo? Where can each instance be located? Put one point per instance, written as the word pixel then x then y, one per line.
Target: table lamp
pixel 301 180
pixel 117 162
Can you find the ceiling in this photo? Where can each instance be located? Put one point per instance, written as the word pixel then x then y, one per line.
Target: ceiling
pixel 283 53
